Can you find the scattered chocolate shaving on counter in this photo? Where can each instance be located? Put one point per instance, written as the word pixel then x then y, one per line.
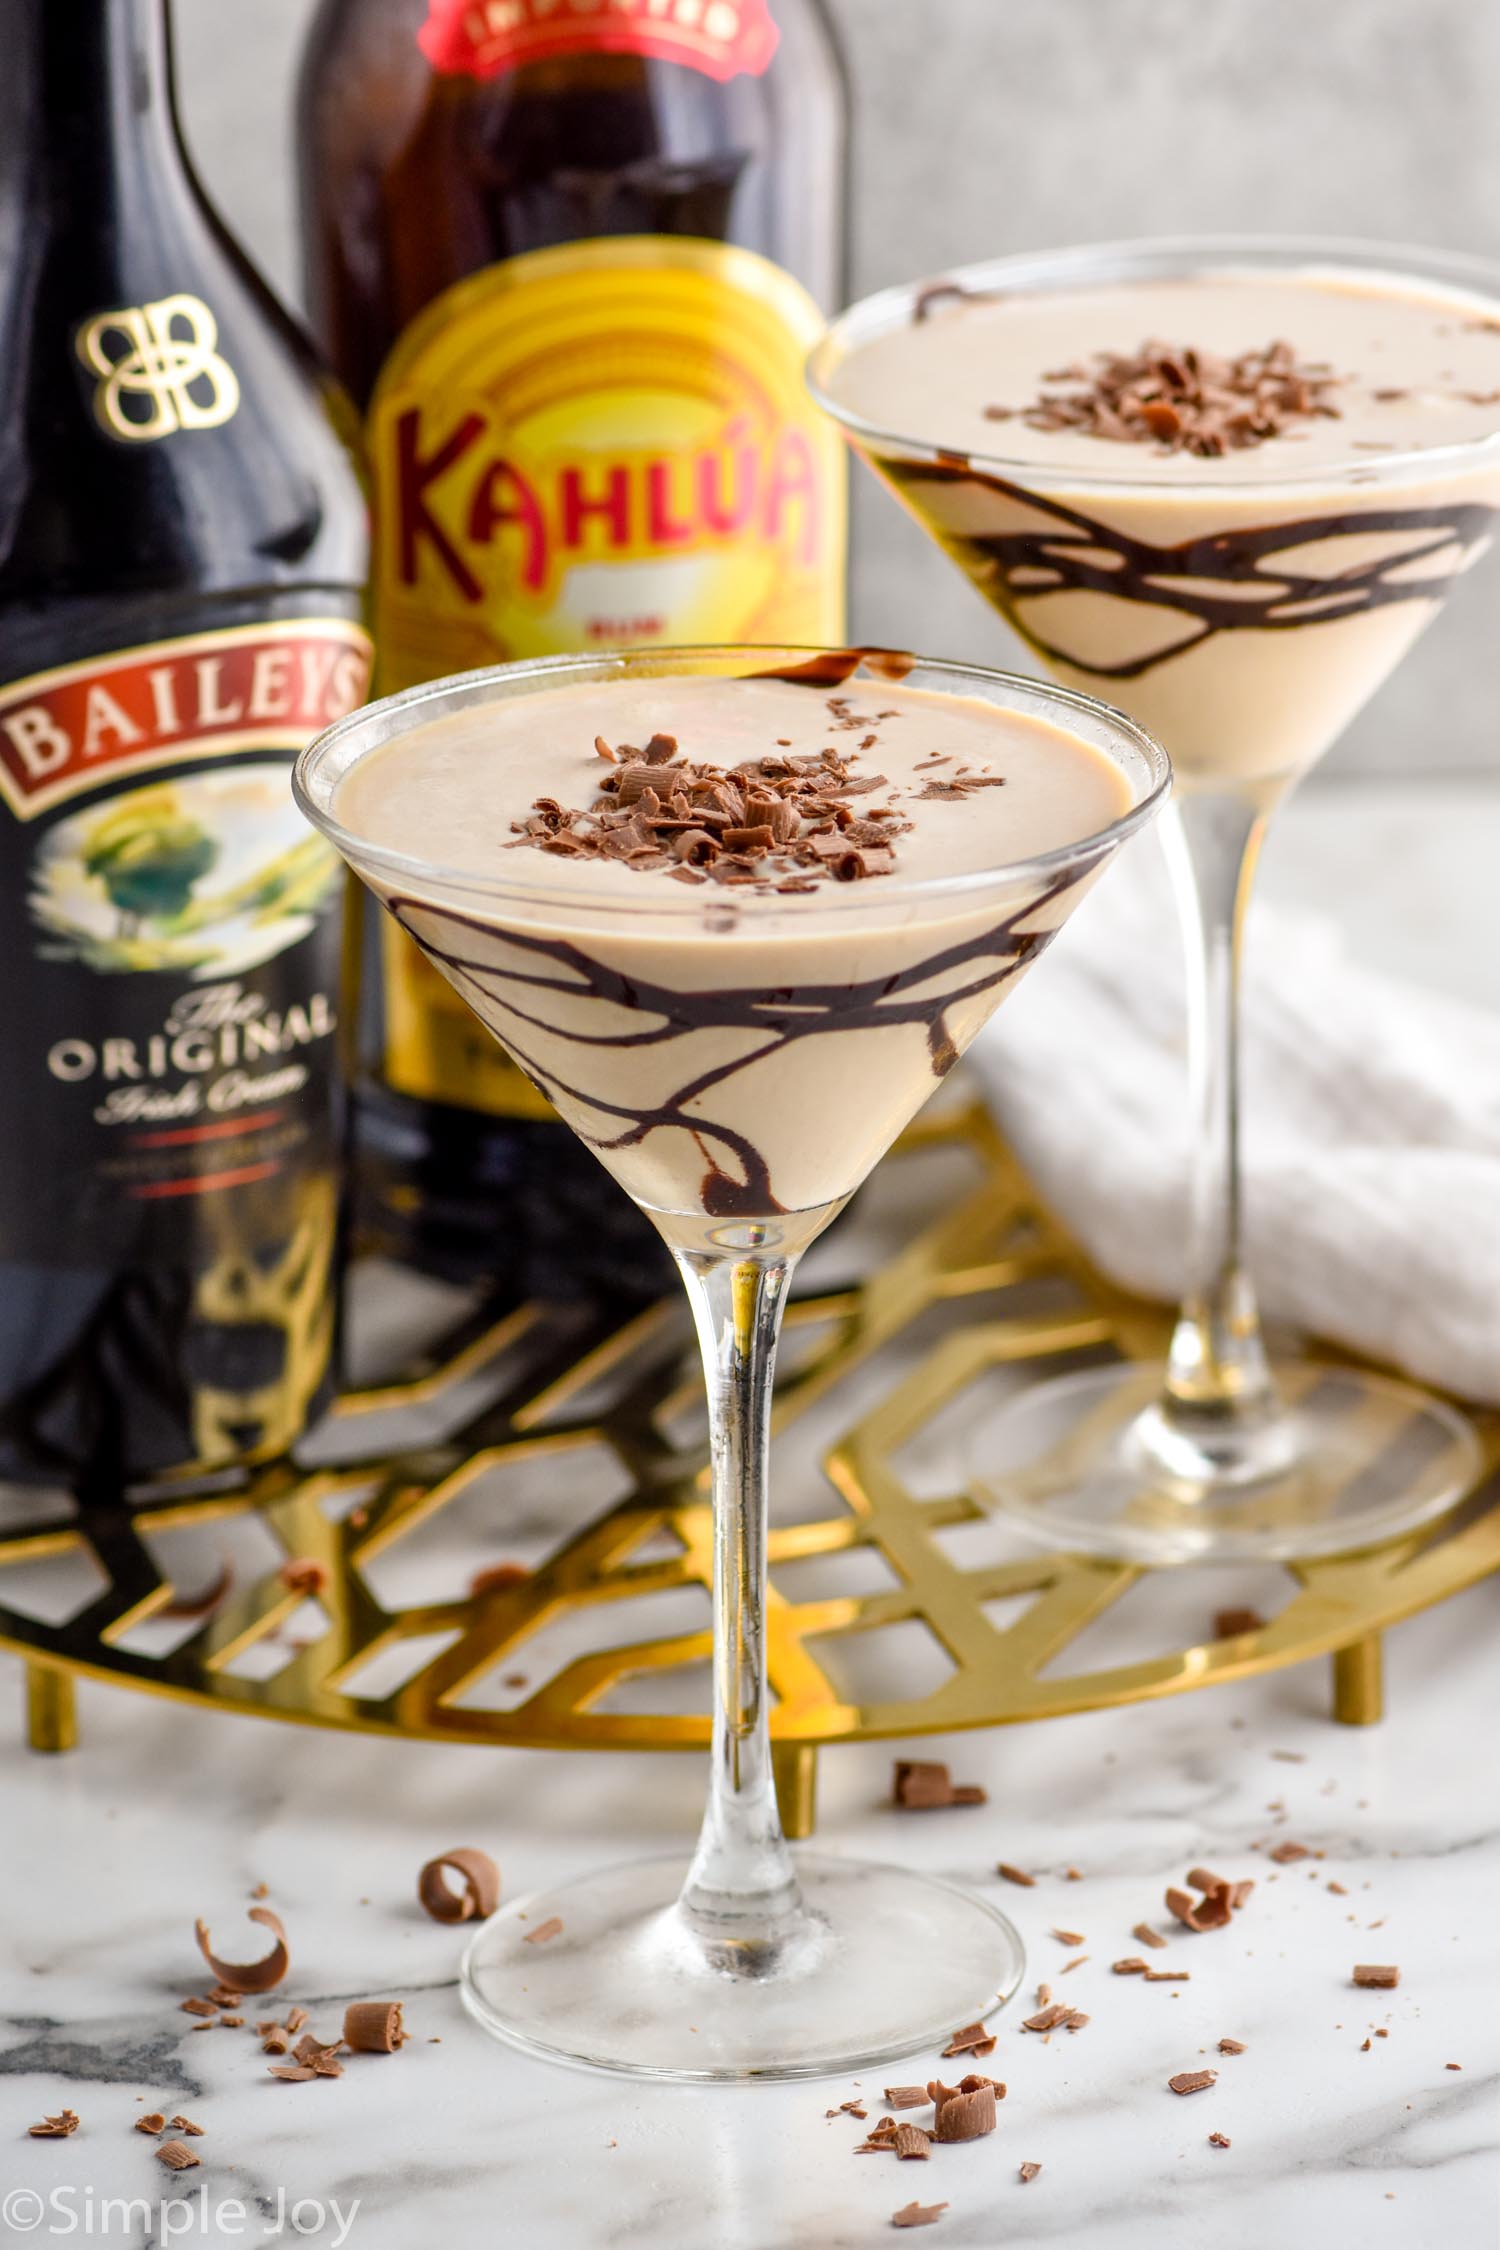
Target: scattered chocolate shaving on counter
pixel 1288 1852
pixel 301 1575
pixel 154 2121
pixel 1167 1976
pixel 1193 2081
pixel 1016 1875
pixel 55 2128
pixel 918 2214
pixel 1029 2173
pixel 1371 1973
pixel 544 1932
pixel 186 2125
pixel 250 1976
pixel 972 2039
pixel 1453 2066
pixel 1043 1995
pixel 1211 1912
pixel 1076 1963
pixel 1240 1891
pixel 1186 401
pixel 1228 1623
pixel 294 2073
pixel 1048 2018
pixel 850 2109
pixel 261 1890
pixel 373 2027
pixel 481 1881
pixel 1218 2140
pixel 295 2018
pixel 907 2097
pixel 924 1785
pixel 223 1997
pixel 1231 2046
pixel 1131 1966
pixel 1146 1935
pixel 231 2023
pixel 199 1605
pixel 965 2116
pixel 176 2156
pixel 1069 1937
pixel 1291 1757
pixel 910 2140
pixel 1072 1874
pixel 1364 2046
pixel 1338 1889
pixel 198 2007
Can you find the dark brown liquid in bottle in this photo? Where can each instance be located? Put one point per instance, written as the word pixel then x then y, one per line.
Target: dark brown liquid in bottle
pixel 412 181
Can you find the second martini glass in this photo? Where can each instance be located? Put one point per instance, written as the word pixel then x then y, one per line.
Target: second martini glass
pixel 1243 604
pixel 738 1057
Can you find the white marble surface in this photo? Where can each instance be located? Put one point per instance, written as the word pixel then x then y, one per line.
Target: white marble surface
pixel 162 1814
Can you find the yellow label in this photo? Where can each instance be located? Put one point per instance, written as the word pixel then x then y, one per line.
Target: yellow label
pixel 600 446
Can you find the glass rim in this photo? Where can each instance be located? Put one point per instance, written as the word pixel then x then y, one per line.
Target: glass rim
pixel 1144 257
pixel 381 722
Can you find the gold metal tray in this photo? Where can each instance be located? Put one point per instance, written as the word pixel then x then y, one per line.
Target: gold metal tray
pixel 589 1648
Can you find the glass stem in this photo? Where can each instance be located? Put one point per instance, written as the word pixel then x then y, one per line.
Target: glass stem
pixel 741 1898
pixel 1220 1416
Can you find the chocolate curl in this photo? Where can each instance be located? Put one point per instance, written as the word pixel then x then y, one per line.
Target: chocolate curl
pixel 373 2027
pixel 481 1881
pixel 966 2117
pixel 250 1976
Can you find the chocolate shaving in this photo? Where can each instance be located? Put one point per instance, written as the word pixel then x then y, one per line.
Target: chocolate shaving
pixel 1167 1976
pixel 154 2121
pixel 918 2214
pixel 924 1785
pixel 973 2039
pixel 250 1976
pixel 200 1605
pixel 186 2125
pixel 906 2097
pixel 1145 1935
pixel 293 2073
pixel 481 1881
pixel 373 2027
pixel 1131 1966
pixel 1193 2081
pixel 1016 1875
pixel 1069 1937
pixel 1231 2046
pixel 1286 1853
pixel 176 2156
pixel 1048 2018
pixel 544 1932
pixel 55 2128
pixel 303 1576
pixel 198 2007
pixel 1230 1622
pixel 1186 401
pixel 1211 1911
pixel 1371 1973
pixel 910 2140
pixel 965 2116
pixel 1218 2140
pixel 1029 2173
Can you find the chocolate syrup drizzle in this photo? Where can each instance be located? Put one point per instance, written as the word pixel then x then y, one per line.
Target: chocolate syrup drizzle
pixel 780 1017
pixel 1271 595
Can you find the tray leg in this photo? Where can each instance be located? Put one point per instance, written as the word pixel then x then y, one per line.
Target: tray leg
pixel 51 1708
pixel 795 1765
pixel 1359 1682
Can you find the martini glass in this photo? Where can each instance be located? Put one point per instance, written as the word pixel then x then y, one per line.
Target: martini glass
pixel 1243 609
pixel 756 1035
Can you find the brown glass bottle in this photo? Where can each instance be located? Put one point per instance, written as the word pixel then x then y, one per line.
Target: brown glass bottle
pixel 183 545
pixel 568 260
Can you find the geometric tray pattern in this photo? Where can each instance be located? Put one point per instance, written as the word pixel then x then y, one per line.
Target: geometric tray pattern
pixel 896 1609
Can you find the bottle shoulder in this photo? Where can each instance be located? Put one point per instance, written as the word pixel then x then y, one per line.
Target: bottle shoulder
pixel 167 425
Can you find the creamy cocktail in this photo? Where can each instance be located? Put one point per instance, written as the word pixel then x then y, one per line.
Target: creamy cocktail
pixel 1225 485
pixel 737 913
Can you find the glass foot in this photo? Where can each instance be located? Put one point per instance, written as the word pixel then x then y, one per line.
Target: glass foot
pixel 894 1964
pixel 1365 1459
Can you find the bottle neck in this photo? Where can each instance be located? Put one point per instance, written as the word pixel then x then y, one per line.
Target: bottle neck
pixel 88 90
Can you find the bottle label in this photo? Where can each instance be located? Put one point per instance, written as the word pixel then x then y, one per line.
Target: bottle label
pixel 482 38
pixel 608 444
pixel 173 933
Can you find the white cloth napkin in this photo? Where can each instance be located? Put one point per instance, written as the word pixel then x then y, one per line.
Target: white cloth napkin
pixel 1371 1126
